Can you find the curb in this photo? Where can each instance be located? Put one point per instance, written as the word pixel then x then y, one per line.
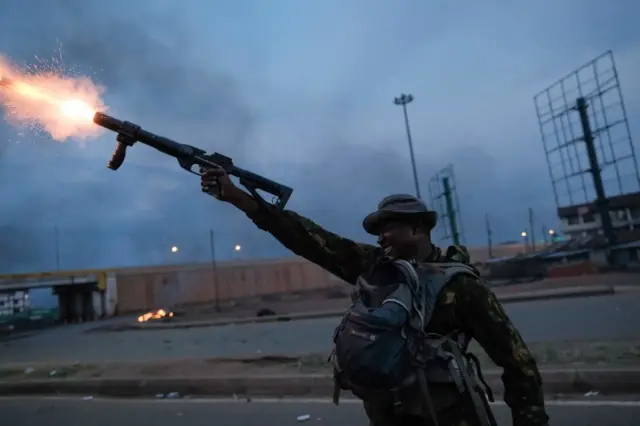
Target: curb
pixel 561 381
pixel 564 293
pixel 515 298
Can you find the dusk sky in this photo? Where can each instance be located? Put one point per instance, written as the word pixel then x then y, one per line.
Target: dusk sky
pixel 301 92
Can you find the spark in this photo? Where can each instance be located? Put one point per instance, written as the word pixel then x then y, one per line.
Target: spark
pixel 44 97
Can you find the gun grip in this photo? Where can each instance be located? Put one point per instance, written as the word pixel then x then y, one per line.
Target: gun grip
pixel 118 156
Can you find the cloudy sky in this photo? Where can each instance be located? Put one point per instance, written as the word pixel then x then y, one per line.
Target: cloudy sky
pixel 301 92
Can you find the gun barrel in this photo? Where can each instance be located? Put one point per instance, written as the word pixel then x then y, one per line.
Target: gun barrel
pixel 108 122
pixel 137 134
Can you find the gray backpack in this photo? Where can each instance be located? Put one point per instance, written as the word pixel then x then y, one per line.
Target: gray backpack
pixel 375 356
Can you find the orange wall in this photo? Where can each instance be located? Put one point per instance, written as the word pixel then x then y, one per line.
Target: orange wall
pixel 572 270
pixel 481 254
pixel 174 285
pixel 151 288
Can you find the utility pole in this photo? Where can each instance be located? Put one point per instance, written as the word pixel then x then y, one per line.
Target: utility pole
pixel 489 234
pixel 214 270
pixel 451 213
pixel 602 203
pixel 532 237
pixel 403 100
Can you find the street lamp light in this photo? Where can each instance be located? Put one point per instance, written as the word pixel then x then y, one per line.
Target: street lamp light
pixel 174 249
pixel 551 232
pixel 403 100
pixel 237 247
pixel 525 244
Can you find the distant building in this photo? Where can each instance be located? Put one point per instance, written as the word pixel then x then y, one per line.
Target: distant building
pixel 583 220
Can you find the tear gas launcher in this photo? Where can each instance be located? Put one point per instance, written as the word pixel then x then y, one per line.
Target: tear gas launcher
pixel 188 156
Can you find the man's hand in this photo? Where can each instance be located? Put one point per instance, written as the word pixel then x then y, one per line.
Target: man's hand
pixel 216 182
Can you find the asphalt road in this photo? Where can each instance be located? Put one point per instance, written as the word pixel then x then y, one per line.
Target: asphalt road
pixel 106 412
pixel 604 317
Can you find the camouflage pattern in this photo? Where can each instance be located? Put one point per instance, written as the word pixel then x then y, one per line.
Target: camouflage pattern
pixel 463 304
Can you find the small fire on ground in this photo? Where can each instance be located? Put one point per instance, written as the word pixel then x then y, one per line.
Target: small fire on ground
pixel 155 315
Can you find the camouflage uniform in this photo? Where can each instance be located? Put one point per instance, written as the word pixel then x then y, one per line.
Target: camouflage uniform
pixel 463 304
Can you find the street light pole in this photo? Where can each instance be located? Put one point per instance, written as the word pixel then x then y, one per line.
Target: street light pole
pixel 403 100
pixel 214 270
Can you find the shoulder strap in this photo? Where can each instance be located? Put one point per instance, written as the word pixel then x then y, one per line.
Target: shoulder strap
pixel 417 300
pixel 426 283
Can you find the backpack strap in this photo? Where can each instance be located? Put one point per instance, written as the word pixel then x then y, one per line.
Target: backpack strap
pixel 425 284
pixel 412 279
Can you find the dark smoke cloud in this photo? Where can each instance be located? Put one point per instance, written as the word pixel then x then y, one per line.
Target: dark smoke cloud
pixel 146 69
pixel 302 96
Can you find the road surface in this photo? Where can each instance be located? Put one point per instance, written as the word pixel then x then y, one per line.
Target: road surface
pixel 135 412
pixel 605 317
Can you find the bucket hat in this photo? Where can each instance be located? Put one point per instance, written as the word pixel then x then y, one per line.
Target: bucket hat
pixel 399 207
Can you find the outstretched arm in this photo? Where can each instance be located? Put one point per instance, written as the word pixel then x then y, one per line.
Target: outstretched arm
pixel 486 321
pixel 344 258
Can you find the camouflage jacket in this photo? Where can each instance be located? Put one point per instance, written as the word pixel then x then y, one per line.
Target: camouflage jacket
pixel 463 304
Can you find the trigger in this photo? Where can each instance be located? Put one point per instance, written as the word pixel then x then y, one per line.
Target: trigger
pixel 190 170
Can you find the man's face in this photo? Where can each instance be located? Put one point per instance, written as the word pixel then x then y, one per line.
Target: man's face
pixel 398 239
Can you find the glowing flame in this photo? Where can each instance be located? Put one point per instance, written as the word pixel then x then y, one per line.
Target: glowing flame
pixel 77 109
pixel 155 315
pixel 61 105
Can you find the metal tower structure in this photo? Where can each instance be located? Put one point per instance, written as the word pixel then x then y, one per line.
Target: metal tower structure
pixel 444 200
pixel 584 129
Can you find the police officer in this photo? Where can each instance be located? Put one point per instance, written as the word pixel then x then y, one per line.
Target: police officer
pixel 403 224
